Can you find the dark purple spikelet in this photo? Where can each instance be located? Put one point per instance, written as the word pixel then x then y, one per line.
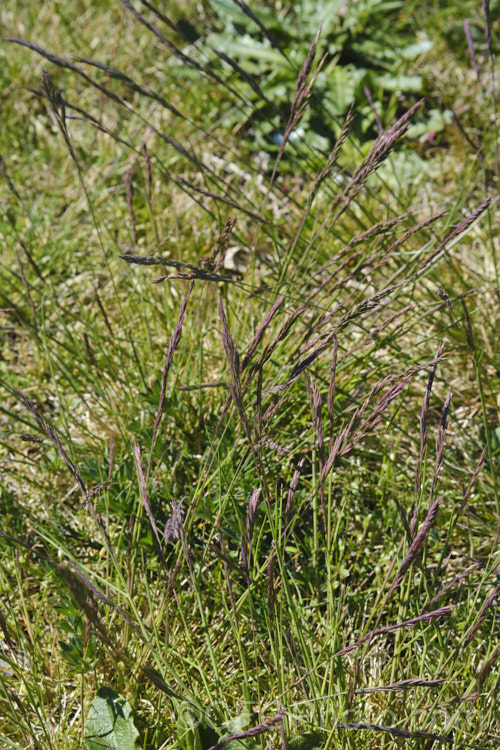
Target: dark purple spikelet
pixel 246 537
pixel 413 230
pixel 215 260
pixel 149 176
pixel 318 417
pixel 293 486
pixel 331 161
pixel 174 341
pixel 94 491
pixel 272 41
pixel 6 177
pixel 417 545
pixel 190 62
pixel 336 445
pixel 376 156
pixel 225 564
pixel 252 82
pixel 378 121
pixel 267 442
pixel 174 526
pixel 320 434
pixel 423 425
pixel 302 94
pixel 111 460
pixel 376 230
pixel 260 333
pixel 395 386
pixel 115 73
pixel 482 615
pixel 441 612
pixel 147 505
pixel 52 434
pixel 486 669
pixel 370 422
pixel 472 53
pixel 271 592
pixel 409 684
pixel 228 343
pixel 130 205
pixel 82 591
pixel 298 369
pixel 75 580
pixel 398 732
pixel 487 21
pixel 223 413
pixel 451 584
pixel 251 511
pixel 331 385
pixel 440 443
pixel 456 231
pixel 282 334
pixel 472 482
pixel 258 400
pixel 375 331
pixel 90 354
pixel 234 367
pixel 88 495
pixel 253 731
pixel 222 199
pixel 62 63
pixel 469 335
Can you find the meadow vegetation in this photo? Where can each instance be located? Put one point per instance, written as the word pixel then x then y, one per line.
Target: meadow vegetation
pixel 249 373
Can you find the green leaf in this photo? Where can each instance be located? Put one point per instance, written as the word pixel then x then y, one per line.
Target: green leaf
pixel 341 86
pixel 402 83
pixel 307 741
pixel 414 50
pixel 245 744
pixel 188 734
pixel 435 122
pixel 239 723
pixel 236 726
pixel 110 725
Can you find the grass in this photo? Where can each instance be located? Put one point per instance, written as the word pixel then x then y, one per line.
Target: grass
pixel 264 503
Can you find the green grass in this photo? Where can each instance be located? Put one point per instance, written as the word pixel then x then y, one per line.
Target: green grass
pixel 338 551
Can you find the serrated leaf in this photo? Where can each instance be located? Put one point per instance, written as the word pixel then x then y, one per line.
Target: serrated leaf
pixel 110 725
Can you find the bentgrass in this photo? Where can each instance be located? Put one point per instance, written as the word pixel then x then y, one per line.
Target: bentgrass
pixel 258 522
